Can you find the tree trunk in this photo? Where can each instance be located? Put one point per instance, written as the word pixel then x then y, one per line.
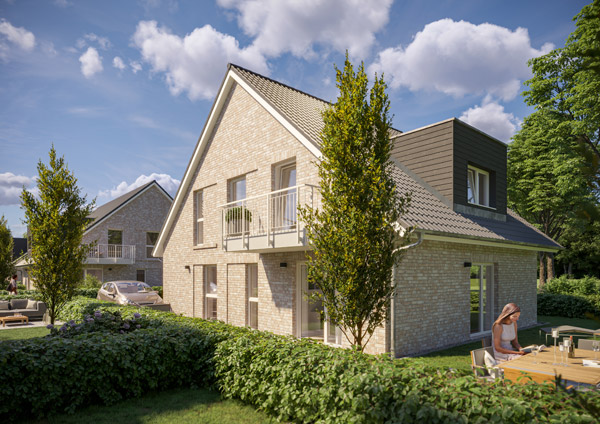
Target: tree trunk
pixel 570 269
pixel 550 265
pixel 542 270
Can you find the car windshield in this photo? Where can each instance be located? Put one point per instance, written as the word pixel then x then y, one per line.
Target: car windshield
pixel 133 287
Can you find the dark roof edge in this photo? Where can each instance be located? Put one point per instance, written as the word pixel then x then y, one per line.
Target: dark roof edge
pixel 541 247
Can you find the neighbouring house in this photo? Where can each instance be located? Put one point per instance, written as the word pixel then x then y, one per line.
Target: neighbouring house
pixel 234 248
pixel 125 231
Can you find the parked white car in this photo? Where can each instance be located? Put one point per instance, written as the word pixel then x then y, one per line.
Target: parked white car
pixel 129 293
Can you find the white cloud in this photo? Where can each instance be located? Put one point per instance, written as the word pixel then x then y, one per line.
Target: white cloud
pixel 118 63
pixel 459 58
pixel 195 63
pixel 16 35
pixel 11 186
pixel 103 42
pixel 297 26
pixel 62 3
pixel 491 118
pixel 135 67
pixel 91 62
pixel 167 182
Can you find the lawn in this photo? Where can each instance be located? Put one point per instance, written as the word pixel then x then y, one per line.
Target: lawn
pixel 23 333
pixel 175 406
pixel 459 357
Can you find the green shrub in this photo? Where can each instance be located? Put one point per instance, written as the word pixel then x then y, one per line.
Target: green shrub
pixel 158 289
pixel 305 381
pixel 50 375
pixel 587 286
pixel 111 322
pixel 564 305
pixel 90 282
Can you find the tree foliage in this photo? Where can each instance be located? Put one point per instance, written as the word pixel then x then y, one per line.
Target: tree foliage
pixel 352 234
pixel 6 252
pixel 566 82
pixel 56 223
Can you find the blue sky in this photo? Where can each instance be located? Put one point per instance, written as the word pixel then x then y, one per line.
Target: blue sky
pixel 123 88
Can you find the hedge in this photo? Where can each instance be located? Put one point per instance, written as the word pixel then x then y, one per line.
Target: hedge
pixel 34 294
pixel 569 297
pixel 304 381
pixel 294 380
pixel 586 286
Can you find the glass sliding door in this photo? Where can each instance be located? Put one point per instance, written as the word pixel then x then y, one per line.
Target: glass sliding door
pixel 284 202
pixel 481 297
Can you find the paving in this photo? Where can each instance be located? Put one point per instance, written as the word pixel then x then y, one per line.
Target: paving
pixel 31 324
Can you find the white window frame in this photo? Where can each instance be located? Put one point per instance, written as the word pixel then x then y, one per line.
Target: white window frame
pixel 233 191
pixel 252 268
pixel 150 245
pixel 490 286
pixel 208 295
pixel 475 187
pixel 199 217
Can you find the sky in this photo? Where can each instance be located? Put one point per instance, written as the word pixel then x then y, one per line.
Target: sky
pixel 122 89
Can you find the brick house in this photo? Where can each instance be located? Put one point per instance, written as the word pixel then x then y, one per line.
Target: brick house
pixel 125 231
pixel 234 249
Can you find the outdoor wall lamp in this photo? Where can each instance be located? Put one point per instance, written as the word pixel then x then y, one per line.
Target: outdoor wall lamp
pixel 283 265
pixel 187 267
pixel 467 264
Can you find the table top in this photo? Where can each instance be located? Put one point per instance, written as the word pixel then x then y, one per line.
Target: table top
pixel 574 372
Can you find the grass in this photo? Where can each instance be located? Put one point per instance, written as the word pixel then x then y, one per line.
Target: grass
pixel 23 333
pixel 459 357
pixel 175 406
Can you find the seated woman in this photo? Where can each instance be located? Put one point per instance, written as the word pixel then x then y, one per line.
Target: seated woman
pixel 504 334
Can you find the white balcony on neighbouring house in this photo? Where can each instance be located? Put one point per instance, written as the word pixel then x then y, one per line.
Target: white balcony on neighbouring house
pixel 111 254
pixel 268 222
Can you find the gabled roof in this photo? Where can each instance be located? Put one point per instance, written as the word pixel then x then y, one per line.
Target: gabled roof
pixel 300 114
pixel 106 210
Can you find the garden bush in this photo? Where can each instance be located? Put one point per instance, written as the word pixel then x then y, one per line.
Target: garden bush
pixel 54 374
pixel 564 305
pixel 304 381
pixel 587 286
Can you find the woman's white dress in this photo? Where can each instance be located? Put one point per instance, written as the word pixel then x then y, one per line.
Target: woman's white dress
pixel 508 335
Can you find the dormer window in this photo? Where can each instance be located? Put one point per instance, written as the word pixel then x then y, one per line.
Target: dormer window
pixel 478 186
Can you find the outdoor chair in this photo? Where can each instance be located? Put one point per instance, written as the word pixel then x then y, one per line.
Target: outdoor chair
pixel 479 366
pixel 486 341
pixel 585 344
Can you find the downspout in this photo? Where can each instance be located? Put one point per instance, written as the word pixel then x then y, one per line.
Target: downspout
pixel 392 308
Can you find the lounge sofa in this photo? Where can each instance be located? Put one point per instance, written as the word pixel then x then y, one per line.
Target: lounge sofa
pixel 34 309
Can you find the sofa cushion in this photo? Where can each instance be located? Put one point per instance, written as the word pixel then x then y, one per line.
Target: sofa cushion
pixel 18 303
pixel 4 305
pixel 31 304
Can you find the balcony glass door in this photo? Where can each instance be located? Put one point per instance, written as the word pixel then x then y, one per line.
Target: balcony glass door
pixel 284 202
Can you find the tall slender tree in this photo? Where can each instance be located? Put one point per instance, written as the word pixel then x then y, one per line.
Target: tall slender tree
pixel 352 234
pixel 56 223
pixel 6 252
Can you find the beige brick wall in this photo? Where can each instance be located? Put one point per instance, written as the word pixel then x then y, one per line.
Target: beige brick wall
pixel 145 213
pixel 433 303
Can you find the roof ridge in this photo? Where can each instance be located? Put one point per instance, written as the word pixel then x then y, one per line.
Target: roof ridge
pixel 233 65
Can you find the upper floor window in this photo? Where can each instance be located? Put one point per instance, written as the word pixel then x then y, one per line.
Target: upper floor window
pixel 237 189
pixel 151 239
pixel 115 237
pixel 478 186
pixel 199 217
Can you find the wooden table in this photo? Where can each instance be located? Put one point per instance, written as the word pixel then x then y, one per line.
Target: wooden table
pixel 24 319
pixel 544 370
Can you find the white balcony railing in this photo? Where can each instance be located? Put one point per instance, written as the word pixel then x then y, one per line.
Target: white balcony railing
pixel 111 253
pixel 268 215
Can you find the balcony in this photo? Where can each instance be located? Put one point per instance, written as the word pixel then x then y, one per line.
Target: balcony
pixel 267 222
pixel 111 254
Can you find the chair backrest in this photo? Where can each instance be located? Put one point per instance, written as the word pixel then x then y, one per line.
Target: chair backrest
pixel 486 341
pixel 585 344
pixel 478 360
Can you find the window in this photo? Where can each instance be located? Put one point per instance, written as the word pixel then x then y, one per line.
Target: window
pixel 237 189
pixel 140 275
pixel 284 202
pixel 210 290
pixel 478 186
pixel 481 292
pixel 151 239
pixel 115 243
pixel 94 272
pixel 199 217
pixel 252 283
